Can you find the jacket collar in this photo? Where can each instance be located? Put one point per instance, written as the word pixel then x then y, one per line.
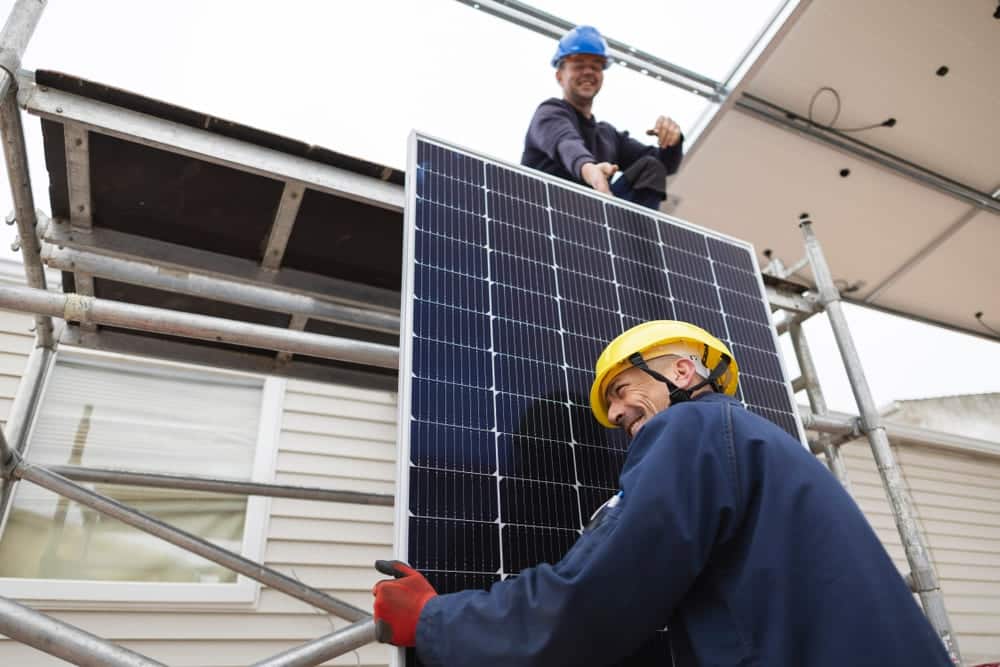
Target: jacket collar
pixel 648 436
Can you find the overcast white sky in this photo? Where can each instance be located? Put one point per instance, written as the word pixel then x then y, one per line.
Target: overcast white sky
pixel 356 77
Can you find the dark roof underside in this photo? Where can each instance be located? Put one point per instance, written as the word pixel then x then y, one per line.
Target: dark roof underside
pixel 152 193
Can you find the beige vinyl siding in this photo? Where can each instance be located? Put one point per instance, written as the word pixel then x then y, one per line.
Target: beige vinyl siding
pixel 331 436
pixel 16 342
pixel 17 338
pixel 957 504
pixel 958 497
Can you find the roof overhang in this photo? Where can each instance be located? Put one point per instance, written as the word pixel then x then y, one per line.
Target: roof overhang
pixel 908 216
pixel 161 206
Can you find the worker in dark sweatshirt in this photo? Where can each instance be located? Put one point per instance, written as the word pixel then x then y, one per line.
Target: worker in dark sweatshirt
pixel 565 140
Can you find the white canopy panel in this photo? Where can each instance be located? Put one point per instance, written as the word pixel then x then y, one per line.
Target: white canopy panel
pixel 895 242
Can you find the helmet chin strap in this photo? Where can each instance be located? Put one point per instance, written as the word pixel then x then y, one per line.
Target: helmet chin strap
pixel 678 395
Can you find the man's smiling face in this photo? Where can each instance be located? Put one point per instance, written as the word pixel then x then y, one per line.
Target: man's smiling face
pixel 634 397
pixel 580 76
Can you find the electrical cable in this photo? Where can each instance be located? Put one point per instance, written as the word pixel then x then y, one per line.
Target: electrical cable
pixel 357 656
pixel 888 122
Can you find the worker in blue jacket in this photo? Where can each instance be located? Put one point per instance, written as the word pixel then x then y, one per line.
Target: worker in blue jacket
pixel 565 140
pixel 725 530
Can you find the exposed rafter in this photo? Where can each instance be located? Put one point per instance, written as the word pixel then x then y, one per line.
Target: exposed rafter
pixel 281 228
pixel 81 203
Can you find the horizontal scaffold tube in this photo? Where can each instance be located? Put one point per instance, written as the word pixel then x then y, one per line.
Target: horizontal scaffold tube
pixel 841 424
pixel 217 289
pixel 78 308
pixel 234 486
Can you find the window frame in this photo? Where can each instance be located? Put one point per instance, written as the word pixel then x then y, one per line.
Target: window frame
pixel 242 594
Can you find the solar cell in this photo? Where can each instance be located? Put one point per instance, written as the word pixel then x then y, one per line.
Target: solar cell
pixel 514 283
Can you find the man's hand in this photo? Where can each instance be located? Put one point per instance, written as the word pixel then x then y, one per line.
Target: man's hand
pixel 597 174
pixel 666 131
pixel 399 601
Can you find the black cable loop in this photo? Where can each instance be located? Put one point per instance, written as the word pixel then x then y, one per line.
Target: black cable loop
pixel 889 122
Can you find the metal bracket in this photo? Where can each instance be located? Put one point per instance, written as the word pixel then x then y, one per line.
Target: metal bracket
pixel 10 62
pixel 77 308
pixel 11 467
pixel 804 304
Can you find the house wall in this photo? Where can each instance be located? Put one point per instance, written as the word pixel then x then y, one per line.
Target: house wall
pixel 331 436
pixel 974 416
pixel 958 508
pixel 16 342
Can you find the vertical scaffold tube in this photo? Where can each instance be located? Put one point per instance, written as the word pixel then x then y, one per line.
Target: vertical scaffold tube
pixel 817 401
pixel 921 570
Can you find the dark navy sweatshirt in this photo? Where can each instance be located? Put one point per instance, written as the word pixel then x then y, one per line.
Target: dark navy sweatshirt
pixel 560 141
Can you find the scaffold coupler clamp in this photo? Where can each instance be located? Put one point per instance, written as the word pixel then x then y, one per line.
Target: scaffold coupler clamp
pixel 10 467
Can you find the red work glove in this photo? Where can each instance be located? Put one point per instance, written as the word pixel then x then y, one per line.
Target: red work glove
pixel 399 601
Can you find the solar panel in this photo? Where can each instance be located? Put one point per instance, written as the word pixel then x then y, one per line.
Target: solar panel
pixel 513 284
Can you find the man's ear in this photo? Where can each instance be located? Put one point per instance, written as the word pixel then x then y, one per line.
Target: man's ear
pixel 686 372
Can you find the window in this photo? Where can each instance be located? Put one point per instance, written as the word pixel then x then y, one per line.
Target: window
pixel 110 411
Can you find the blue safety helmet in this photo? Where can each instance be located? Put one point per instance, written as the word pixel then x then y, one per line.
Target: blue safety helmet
pixel 582 39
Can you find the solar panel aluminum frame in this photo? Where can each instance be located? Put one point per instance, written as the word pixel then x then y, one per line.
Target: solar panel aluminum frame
pixel 401 528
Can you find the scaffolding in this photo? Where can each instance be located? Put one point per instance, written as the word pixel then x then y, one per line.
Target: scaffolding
pixel 73 245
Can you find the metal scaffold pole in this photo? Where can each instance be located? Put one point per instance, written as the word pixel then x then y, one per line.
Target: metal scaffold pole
pixel 218 289
pixel 78 308
pixel 22 413
pixel 17 31
pixel 922 574
pixel 848 427
pixel 63 640
pixel 213 485
pixel 320 650
pixel 817 401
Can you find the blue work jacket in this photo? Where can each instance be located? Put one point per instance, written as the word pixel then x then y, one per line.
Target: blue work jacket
pixel 729 532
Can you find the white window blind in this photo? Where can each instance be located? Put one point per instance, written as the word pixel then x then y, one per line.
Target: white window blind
pixel 134 415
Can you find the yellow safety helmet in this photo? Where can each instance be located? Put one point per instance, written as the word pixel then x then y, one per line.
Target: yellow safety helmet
pixel 657 338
